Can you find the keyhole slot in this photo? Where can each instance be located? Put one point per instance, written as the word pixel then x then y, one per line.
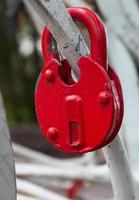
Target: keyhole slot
pixel 74 130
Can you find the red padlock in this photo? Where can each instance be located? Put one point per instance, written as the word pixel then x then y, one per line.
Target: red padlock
pixel 83 116
pixel 97 36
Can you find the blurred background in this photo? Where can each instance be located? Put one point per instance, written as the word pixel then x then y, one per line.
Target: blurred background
pixel 20 64
pixel 20 61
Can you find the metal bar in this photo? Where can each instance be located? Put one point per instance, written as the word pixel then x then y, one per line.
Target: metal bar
pixel 122 16
pixel 131 116
pixel 120 171
pixel 71 43
pixel 7 168
pixel 35 156
pixel 36 191
pixel 85 173
pixel 54 14
pixel 72 3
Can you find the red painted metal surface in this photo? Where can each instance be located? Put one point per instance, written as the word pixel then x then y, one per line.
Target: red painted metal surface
pixel 83 116
pixel 75 116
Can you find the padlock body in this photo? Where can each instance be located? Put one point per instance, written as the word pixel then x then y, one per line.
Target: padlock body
pixel 77 117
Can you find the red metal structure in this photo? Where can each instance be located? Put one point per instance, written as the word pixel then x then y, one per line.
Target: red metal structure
pixel 82 116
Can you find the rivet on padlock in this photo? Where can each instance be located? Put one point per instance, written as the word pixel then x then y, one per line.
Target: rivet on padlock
pixel 83 116
pixel 52 133
pixel 49 75
pixel 104 97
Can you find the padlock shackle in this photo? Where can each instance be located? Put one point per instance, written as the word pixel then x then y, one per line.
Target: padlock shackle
pixel 46 43
pixel 96 32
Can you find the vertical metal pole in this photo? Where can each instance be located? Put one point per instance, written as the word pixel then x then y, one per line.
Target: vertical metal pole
pixel 117 49
pixel 117 161
pixel 54 14
pixel 7 169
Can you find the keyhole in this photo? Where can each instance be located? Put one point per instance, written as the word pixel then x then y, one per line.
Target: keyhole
pixel 74 134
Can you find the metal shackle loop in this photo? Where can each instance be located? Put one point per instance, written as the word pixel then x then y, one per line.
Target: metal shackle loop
pixel 96 32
